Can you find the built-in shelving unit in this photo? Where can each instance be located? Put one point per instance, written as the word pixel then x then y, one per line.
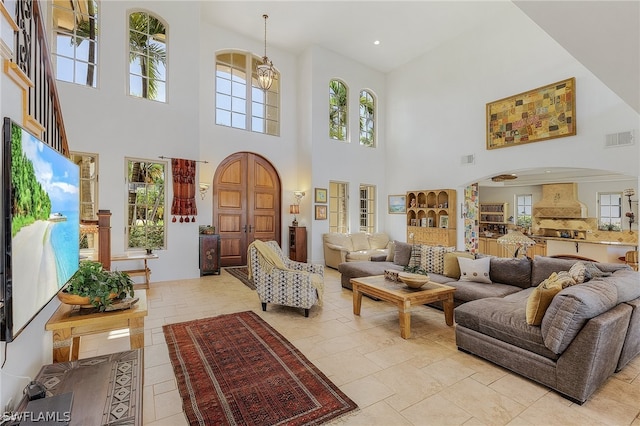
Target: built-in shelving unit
pixel 431 217
pixel 493 213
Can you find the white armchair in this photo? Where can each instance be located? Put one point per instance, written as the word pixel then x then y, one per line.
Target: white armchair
pixel 283 281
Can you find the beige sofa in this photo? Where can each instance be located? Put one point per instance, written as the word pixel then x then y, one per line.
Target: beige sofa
pixel 339 248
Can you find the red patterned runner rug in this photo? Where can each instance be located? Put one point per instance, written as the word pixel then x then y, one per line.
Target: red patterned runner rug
pixel 237 369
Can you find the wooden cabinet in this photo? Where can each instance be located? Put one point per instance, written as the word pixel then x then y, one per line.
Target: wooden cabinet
pixel 493 213
pixel 298 243
pixel 209 254
pixel 431 217
pixel 491 247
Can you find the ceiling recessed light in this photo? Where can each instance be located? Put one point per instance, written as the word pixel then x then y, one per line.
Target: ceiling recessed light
pixel 377 42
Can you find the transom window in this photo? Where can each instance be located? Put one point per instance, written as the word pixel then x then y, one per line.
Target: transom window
pixel 147 57
pixel 241 105
pixel 339 207
pixel 367 119
pixel 146 224
pixel 75 41
pixel 523 210
pixel 338 96
pixel 610 211
pixel 367 208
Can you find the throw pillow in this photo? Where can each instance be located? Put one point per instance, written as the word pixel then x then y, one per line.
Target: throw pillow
pixel 540 299
pixel 360 241
pixel 432 258
pixel 476 270
pixel 392 251
pixel 579 272
pixel 451 265
pixel 402 253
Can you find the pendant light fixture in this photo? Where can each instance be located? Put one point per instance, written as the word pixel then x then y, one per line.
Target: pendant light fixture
pixel 266 72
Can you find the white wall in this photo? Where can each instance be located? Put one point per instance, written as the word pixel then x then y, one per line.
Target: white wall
pixel 436 105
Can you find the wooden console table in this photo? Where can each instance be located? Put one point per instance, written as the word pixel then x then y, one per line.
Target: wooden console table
pixel 144 272
pixel 107 389
pixel 69 324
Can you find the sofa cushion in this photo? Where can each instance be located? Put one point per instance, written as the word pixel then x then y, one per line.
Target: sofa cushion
pixel 451 265
pixel 572 307
pixel 476 270
pixel 512 271
pixel 360 241
pixel 432 258
pixel 337 239
pixel 541 297
pixel 402 254
pixel 357 256
pixel 467 291
pixel 378 240
pixel 503 318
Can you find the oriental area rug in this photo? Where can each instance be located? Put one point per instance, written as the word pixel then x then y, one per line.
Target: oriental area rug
pixel 241 273
pixel 237 369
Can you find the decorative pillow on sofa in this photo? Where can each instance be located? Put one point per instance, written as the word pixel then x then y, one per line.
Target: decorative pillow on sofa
pixel 476 270
pixel 392 251
pixel 541 297
pixel 432 258
pixel 451 265
pixel 402 253
pixel 579 272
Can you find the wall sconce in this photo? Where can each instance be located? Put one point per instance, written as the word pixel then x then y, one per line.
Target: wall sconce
pixel 203 189
pixel 632 217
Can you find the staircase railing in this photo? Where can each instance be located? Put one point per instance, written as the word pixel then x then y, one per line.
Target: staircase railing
pixel 32 57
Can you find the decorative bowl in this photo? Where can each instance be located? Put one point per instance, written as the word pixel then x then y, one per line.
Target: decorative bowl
pixel 413 280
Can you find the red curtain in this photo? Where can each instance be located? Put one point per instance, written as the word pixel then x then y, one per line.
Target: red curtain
pixel 184 190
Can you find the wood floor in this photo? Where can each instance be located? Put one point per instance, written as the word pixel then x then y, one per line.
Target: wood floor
pixel 423 380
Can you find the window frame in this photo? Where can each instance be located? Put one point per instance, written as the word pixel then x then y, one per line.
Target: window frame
pixel 128 184
pixel 367 208
pixel 339 207
pixel 525 223
pixel 367 118
pixel 129 63
pixel 254 98
pixel 56 56
pixel 342 110
pixel 609 226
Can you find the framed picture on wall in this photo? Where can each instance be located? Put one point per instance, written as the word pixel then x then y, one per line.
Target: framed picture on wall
pixel 321 212
pixel 321 195
pixel 397 204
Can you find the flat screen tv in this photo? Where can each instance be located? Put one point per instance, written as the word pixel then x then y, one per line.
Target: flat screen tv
pixel 40 235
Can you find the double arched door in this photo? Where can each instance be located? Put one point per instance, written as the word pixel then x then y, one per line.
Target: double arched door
pixel 246 205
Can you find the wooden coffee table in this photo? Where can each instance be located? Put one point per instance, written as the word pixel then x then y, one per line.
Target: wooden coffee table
pixel 398 293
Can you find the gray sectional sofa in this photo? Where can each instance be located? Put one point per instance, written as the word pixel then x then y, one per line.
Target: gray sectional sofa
pixel 588 331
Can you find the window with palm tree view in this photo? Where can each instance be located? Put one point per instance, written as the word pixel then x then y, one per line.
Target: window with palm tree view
pixel 147 57
pixel 367 119
pixel 338 96
pixel 241 105
pixel 145 228
pixel 75 41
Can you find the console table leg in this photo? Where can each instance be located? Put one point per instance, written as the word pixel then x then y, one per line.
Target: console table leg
pixel 61 345
pixel 136 333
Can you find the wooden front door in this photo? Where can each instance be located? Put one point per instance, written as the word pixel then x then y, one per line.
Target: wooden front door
pixel 246 205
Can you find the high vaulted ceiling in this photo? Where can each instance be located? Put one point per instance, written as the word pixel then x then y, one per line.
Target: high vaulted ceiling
pixel 603 35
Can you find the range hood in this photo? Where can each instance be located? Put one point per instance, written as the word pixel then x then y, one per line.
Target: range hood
pixel 560 200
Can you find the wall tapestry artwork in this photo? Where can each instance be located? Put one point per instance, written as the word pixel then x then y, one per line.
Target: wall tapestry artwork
pixel 184 190
pixel 547 112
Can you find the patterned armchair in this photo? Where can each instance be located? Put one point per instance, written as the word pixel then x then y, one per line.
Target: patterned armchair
pixel 299 285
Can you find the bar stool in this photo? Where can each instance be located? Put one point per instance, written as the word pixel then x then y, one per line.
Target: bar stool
pixel 631 258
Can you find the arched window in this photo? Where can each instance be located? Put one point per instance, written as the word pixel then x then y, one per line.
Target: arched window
pixel 147 57
pixel 367 119
pixel 75 41
pixel 241 105
pixel 338 96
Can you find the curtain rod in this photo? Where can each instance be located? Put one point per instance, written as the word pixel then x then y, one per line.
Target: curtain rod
pixel 171 158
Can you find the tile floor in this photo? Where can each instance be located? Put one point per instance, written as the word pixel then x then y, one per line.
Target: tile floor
pixel 424 380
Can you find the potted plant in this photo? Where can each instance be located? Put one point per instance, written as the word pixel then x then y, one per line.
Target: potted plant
pixel 95 286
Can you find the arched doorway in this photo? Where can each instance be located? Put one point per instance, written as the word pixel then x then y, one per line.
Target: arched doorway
pixel 246 205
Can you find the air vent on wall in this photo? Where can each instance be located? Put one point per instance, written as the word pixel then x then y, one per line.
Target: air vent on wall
pixel 467 159
pixel 619 139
